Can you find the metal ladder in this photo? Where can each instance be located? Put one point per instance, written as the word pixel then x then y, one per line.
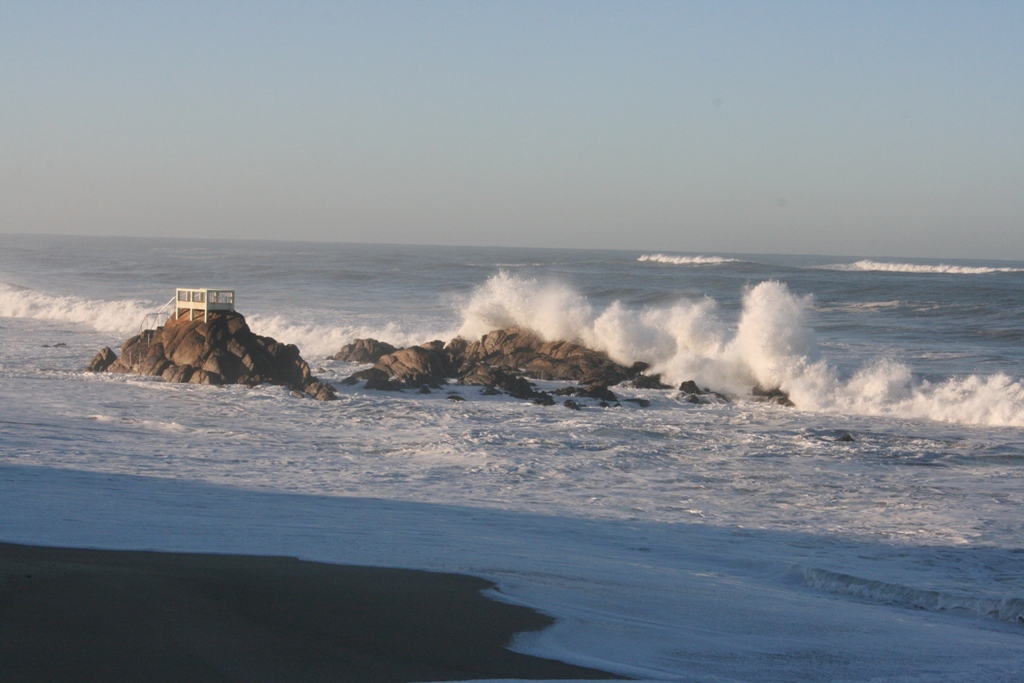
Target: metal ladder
pixel 150 322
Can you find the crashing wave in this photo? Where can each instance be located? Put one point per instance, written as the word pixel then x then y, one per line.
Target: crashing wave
pixel 120 316
pixel 772 345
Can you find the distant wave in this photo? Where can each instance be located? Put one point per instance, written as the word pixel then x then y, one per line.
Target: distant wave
pixel 1007 609
pixel 771 345
pixel 866 265
pixel 687 260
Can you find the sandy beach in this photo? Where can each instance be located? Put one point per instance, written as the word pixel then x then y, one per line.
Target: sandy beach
pixel 99 615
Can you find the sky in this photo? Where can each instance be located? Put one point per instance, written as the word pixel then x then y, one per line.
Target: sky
pixel 854 128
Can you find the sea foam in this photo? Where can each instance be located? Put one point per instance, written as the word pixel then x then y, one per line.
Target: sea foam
pixel 772 345
pixel 321 340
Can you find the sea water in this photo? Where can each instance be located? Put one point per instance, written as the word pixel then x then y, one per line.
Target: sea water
pixel 734 540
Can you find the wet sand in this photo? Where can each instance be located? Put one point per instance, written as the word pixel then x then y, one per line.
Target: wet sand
pixel 100 615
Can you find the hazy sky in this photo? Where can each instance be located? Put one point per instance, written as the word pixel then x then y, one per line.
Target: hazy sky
pixel 862 128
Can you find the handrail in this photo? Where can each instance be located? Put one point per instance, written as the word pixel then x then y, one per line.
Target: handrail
pixel 152 320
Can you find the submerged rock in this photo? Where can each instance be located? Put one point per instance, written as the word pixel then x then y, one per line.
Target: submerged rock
pixel 598 390
pixel 642 402
pixel 498 381
pixel 222 350
pixel 773 395
pixel 375 378
pixel 649 382
pixel 694 394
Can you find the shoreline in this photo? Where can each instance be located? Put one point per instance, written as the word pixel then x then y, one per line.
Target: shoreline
pixel 102 615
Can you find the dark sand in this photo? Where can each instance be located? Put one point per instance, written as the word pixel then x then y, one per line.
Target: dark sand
pixel 99 615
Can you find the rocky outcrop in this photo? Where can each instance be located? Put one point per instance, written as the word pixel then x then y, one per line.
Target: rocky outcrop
pixel 499 362
pixel 772 395
pixel 523 351
pixel 649 382
pixel 417 366
pixel 496 380
pixel 221 351
pixel 504 361
pixel 364 351
pixel 102 360
pixel 694 394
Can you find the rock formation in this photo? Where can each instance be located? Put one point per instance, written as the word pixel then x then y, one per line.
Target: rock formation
pixel 364 351
pixel 695 394
pixel 772 395
pixel 499 362
pixel 504 361
pixel 221 351
pixel 522 350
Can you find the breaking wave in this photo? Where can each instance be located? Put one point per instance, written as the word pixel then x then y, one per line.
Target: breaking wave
pixel 123 317
pixel 120 317
pixel 770 345
pixel 325 340
pixel 686 260
pixel 1005 609
pixel 867 265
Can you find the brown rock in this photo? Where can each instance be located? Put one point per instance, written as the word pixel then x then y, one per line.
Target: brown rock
pixel 375 378
pixel 496 378
pixel 499 359
pixel 773 395
pixel 416 366
pixel 220 350
pixel 178 373
pixel 188 349
pixel 649 382
pixel 320 391
pixel 201 376
pixel 102 360
pixel 364 351
pixel 523 350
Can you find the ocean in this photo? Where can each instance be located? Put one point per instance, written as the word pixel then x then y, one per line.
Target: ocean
pixel 735 540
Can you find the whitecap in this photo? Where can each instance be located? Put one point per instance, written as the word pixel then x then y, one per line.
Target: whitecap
pixel 686 260
pixel 939 268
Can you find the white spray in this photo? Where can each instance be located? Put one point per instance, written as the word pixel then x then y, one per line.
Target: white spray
pixel 771 345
